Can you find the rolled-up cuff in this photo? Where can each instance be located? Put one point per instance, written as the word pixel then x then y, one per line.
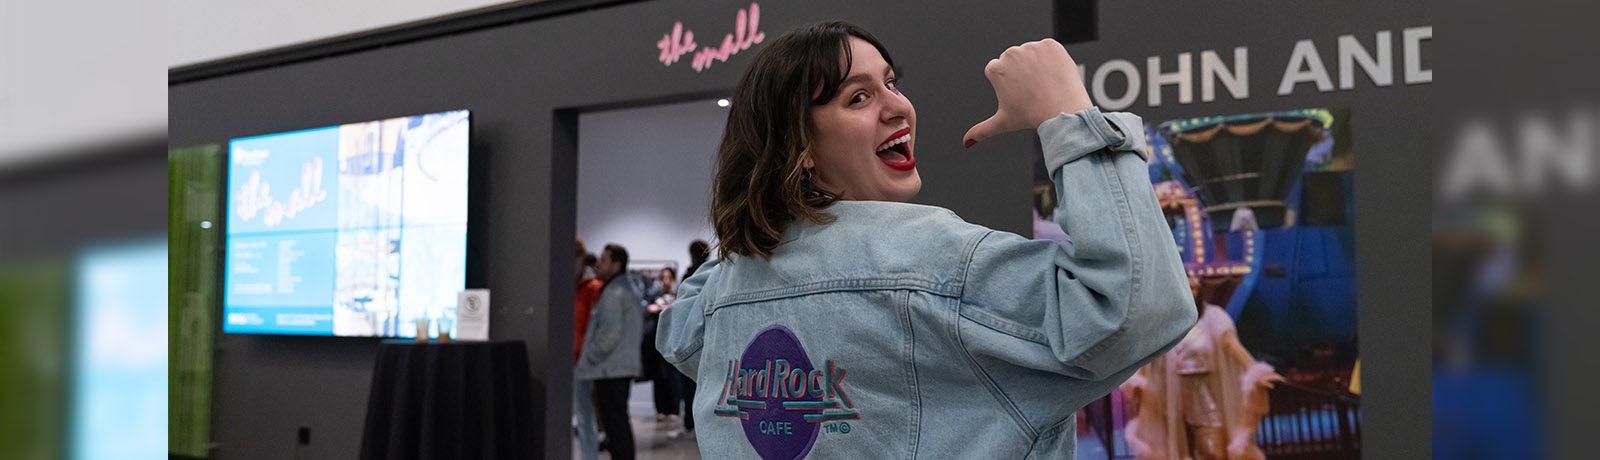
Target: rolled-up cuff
pixel 1068 137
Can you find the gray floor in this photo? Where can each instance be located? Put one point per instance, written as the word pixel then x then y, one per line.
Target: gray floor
pixel 650 437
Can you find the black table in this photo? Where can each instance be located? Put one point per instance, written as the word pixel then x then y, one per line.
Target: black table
pixel 458 400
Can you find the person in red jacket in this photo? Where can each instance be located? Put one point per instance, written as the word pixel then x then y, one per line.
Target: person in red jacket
pixel 588 292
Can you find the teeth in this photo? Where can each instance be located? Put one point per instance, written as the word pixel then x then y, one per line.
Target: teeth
pixel 897 141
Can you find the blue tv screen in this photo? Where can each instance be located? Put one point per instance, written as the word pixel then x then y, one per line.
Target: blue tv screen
pixel 351 230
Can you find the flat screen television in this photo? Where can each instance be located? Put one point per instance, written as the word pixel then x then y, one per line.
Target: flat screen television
pixel 351 230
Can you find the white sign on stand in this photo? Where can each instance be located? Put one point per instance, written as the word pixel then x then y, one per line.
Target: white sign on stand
pixel 472 314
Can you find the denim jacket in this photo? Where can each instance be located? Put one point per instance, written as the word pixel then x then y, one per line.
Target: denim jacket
pixel 611 343
pixel 901 331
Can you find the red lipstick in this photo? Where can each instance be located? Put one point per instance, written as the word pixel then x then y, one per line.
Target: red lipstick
pixel 904 161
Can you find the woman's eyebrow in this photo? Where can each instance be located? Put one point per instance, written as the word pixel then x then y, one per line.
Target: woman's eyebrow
pixel 855 78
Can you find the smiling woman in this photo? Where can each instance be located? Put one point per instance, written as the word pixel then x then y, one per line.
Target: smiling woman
pixel 960 341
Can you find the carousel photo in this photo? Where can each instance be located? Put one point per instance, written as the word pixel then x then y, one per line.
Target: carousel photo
pixel 1261 208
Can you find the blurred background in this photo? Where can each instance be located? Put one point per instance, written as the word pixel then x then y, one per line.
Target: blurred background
pixel 1513 230
pixel 87 213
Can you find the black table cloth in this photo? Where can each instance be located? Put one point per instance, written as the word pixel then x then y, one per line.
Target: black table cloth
pixel 458 400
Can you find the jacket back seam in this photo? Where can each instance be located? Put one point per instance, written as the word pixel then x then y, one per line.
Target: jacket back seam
pixel 988 381
pixel 847 285
pixel 911 374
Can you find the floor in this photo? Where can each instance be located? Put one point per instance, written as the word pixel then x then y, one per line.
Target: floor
pixel 649 436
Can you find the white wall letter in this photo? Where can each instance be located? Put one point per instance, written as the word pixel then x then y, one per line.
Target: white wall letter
pixel 1128 71
pixel 1237 81
pixel 1412 39
pixel 1547 153
pixel 1380 70
pixel 1305 64
pixel 1478 160
pixel 1181 78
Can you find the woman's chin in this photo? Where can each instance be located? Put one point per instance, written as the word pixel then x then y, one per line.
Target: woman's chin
pixel 907 188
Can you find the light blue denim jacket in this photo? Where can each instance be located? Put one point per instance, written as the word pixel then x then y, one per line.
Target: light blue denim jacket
pixel 901 331
pixel 611 343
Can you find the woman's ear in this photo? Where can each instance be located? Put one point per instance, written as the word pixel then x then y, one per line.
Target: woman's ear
pixel 805 159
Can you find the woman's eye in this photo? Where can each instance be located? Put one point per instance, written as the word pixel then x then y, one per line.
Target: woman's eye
pixel 856 99
pixel 893 85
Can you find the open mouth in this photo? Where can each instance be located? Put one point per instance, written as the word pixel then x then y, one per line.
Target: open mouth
pixel 895 152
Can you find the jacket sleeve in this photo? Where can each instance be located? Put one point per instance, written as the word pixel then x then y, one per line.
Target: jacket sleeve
pixel 681 329
pixel 1079 317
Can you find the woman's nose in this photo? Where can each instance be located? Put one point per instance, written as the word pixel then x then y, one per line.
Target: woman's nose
pixel 898 107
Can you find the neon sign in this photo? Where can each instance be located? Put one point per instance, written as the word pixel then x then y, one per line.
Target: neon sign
pixel 746 33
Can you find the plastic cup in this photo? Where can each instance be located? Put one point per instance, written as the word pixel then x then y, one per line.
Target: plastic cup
pixel 422 330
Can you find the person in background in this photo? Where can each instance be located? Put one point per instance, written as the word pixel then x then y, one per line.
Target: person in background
pixel 664 388
pixel 588 291
pixel 699 251
pixel 610 354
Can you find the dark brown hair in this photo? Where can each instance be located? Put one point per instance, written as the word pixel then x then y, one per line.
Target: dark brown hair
pixel 618 254
pixel 760 184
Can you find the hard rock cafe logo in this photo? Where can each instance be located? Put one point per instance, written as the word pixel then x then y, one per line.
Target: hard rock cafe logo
pixel 781 398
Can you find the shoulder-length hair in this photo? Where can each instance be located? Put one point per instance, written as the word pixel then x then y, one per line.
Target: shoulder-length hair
pixel 760 184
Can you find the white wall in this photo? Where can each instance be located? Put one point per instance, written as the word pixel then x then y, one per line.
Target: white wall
pixel 644 178
pixel 77 74
pixel 206 30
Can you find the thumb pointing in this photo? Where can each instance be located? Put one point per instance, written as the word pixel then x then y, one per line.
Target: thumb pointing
pixel 983 130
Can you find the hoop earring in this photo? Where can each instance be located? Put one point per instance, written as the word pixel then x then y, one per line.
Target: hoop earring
pixel 812 192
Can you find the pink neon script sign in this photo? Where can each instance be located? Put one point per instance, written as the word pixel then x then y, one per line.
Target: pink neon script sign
pixel 255 196
pixel 746 32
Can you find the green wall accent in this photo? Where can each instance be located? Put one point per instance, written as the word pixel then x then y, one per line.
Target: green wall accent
pixel 194 184
pixel 32 359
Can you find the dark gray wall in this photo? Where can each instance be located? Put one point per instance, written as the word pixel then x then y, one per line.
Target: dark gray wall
pixel 107 194
pixel 1389 127
pixel 520 81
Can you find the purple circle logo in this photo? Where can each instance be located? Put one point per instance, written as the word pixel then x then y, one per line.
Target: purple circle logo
pixel 778 395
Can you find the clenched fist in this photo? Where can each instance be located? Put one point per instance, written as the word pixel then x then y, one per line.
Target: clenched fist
pixel 1033 81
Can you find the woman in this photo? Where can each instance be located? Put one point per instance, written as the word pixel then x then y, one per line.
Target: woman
pixel 842 322
pixel 664 378
pixel 587 293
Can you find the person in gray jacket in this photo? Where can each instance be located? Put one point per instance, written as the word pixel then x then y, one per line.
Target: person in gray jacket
pixel 611 349
pixel 841 321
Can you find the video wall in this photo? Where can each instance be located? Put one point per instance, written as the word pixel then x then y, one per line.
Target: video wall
pixel 351 230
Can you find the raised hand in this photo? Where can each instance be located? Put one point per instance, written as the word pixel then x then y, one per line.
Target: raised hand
pixel 1033 81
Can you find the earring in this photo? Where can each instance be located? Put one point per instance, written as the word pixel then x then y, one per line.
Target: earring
pixel 811 190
